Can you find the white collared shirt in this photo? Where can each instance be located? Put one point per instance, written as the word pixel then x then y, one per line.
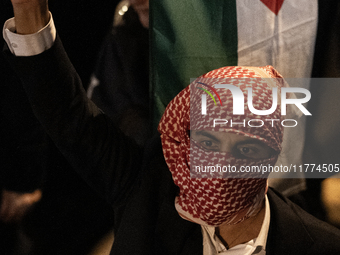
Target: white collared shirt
pixel 31 44
pixel 213 246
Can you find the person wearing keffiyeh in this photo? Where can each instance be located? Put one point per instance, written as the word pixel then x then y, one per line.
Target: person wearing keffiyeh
pixel 159 207
pixel 221 201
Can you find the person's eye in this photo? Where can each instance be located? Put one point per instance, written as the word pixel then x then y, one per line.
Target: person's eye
pixel 252 151
pixel 209 145
pixel 247 151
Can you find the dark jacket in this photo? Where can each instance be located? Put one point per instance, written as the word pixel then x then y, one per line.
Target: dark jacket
pixel 122 73
pixel 138 183
pixel 22 155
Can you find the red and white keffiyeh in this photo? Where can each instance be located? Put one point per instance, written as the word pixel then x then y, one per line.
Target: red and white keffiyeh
pixel 226 200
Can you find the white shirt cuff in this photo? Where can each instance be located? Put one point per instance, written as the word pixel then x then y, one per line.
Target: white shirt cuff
pixel 31 44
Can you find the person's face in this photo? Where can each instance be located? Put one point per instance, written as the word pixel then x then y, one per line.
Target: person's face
pixel 142 9
pixel 240 146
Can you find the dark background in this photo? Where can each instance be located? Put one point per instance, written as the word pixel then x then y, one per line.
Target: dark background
pixel 70 218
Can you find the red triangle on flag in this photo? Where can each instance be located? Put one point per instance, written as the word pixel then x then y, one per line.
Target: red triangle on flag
pixel 273 5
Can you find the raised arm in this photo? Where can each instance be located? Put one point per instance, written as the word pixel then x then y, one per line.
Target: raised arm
pixel 30 15
pixel 107 160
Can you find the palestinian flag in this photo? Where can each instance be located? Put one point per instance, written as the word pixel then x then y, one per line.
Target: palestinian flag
pixel 192 37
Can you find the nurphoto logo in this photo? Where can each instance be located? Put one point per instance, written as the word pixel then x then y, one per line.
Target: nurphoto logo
pixel 238 99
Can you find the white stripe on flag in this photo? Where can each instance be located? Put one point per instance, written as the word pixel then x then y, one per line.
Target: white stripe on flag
pixel 285 41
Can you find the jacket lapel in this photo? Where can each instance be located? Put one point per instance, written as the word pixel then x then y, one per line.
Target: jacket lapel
pixel 287 233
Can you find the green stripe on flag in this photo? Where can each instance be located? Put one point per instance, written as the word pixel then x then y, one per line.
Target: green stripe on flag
pixel 188 39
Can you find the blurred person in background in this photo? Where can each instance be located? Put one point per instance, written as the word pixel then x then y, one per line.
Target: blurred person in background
pixel 120 82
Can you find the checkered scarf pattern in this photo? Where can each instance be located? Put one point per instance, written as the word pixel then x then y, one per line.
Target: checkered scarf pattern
pixel 219 199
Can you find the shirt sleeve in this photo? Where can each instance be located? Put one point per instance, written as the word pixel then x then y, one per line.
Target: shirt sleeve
pixel 31 44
